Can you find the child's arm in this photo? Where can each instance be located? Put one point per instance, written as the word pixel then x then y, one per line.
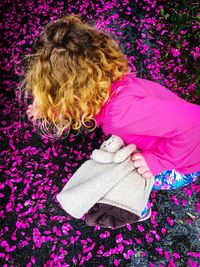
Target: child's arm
pixel 170 120
pixel 179 153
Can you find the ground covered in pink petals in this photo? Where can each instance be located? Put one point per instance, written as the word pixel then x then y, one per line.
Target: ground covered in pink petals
pixel 160 39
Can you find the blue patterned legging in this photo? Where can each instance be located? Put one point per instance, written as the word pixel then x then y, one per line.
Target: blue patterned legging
pixel 171 179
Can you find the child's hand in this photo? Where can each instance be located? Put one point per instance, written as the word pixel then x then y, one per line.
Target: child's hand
pixel 141 165
pixel 32 114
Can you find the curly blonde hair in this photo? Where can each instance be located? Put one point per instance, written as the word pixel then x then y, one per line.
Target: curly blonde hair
pixel 70 73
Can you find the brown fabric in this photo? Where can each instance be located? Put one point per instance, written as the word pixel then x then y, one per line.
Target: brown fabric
pixel 105 215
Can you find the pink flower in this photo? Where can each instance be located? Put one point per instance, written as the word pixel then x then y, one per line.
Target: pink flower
pixel 176 52
pixel 140 228
pixel 174 198
pixel 116 262
pixel 196 53
pixel 176 255
pixel 170 221
pixel 119 238
pixel 138 241
pixel 163 31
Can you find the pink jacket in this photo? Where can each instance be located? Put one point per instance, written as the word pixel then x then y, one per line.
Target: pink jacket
pixel 163 126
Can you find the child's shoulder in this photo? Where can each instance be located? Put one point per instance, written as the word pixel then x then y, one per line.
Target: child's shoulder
pixel 131 85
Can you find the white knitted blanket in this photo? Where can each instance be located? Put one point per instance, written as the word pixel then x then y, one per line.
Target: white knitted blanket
pixel 117 184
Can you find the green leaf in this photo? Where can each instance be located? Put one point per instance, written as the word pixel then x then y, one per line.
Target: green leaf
pixel 162 12
pixel 167 16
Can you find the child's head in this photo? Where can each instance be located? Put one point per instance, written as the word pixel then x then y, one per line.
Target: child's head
pixel 70 72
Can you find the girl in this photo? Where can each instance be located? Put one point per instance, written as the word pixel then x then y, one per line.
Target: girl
pixel 78 74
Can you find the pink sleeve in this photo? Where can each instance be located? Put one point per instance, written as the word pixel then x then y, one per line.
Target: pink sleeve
pixel 151 116
pixel 180 153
